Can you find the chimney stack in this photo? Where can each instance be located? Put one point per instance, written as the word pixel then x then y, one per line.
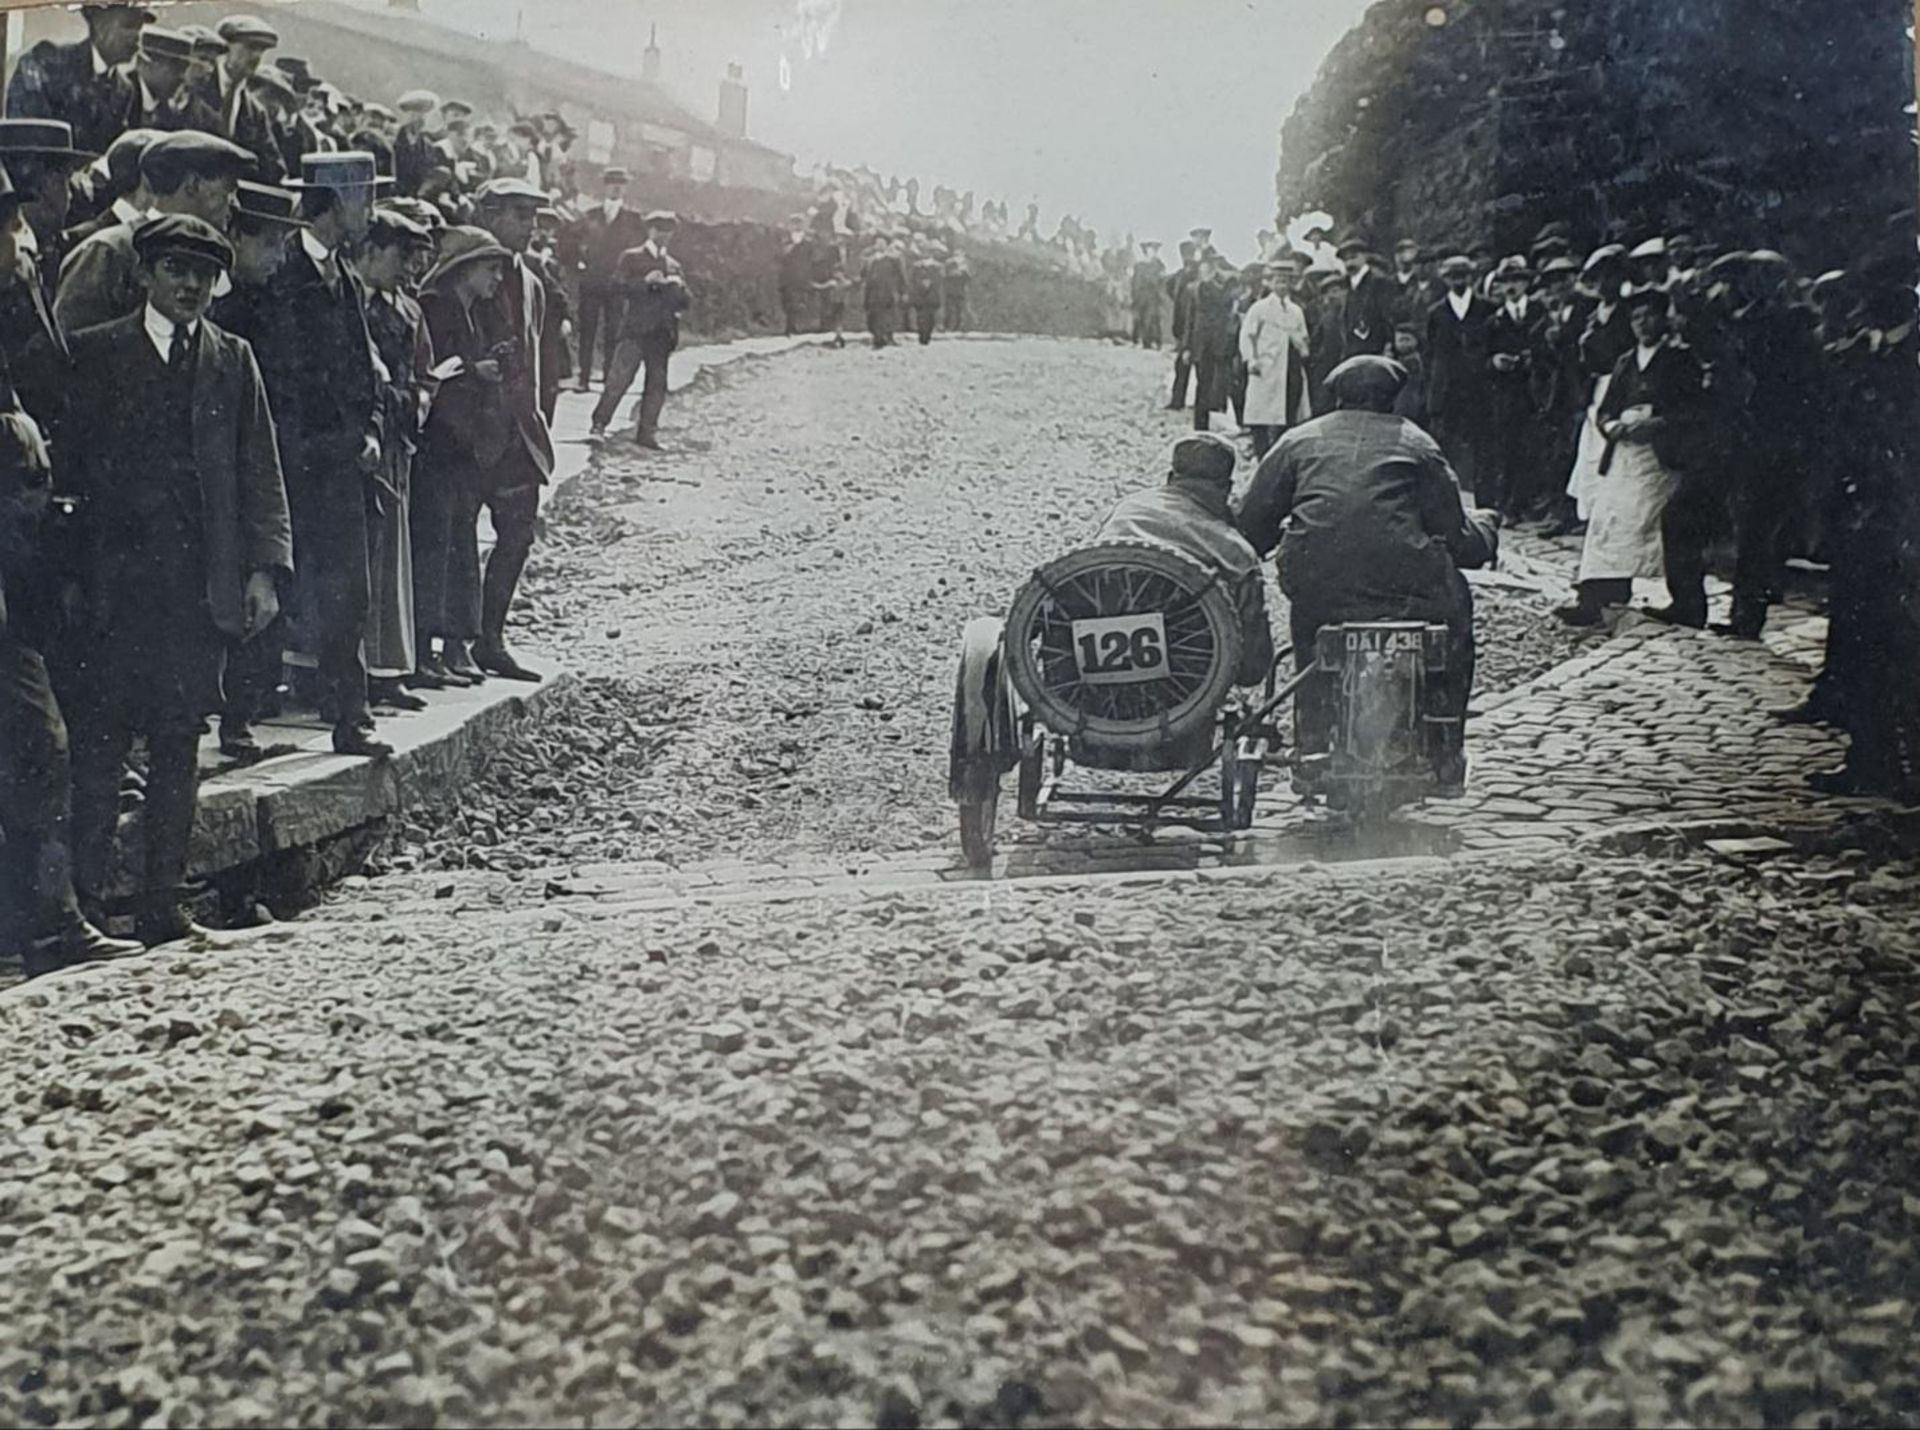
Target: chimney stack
pixel 733 104
pixel 650 61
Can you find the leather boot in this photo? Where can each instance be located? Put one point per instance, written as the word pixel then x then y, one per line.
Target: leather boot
pixel 492 656
pixel 173 781
pixel 71 941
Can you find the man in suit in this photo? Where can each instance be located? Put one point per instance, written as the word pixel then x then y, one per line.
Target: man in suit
pixel 1366 319
pixel 189 173
pixel 796 273
pixel 224 93
pixel 1409 294
pixel 1180 292
pixel 1515 483
pixel 179 483
pixel 1213 338
pixel 1459 367
pixel 1144 293
pixel 883 289
pixel 515 325
pixel 925 281
pixel 656 296
pixel 607 230
pixel 317 356
pixel 83 84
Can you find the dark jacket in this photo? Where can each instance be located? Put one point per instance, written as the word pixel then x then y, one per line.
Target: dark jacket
pixel 1214 334
pixel 243 119
pixel 243 501
pixel 1671 385
pixel 517 315
pixel 1459 355
pixel 469 423
pixel 317 357
pixel 1366 316
pixel 58 82
pixel 1606 340
pixel 602 240
pixel 1519 390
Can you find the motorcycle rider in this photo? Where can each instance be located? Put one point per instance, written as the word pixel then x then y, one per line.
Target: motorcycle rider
pixel 1369 523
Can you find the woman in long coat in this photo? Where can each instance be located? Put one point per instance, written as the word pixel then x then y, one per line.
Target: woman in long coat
pixel 1653 393
pixel 469 414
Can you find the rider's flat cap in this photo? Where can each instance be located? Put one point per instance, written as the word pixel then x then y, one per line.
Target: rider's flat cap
pixel 248 30
pixel 182 236
pixel 1204 455
pixel 1366 377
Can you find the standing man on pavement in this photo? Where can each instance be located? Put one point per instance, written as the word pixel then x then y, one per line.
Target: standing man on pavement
pixel 607 230
pixel 175 468
pixel 655 293
pixel 1459 367
pixel 189 173
pixel 1275 345
pixel 1214 338
pixel 84 85
pixel 318 360
pixel 796 274
pixel 884 290
pixel 958 278
pixel 515 324
pixel 414 154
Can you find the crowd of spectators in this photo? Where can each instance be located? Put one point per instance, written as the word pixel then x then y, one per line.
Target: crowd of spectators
pixel 1661 397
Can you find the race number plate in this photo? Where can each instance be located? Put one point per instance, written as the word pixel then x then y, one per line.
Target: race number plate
pixel 1121 650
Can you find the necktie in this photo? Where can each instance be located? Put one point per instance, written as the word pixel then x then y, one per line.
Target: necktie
pixel 179 348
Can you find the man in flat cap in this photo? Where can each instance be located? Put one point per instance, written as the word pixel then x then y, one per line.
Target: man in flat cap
pixel 188 173
pixel 225 91
pixel 1459 368
pixel 84 84
pixel 414 154
pixel 606 231
pixel 1369 522
pixel 317 355
pixel 1410 295
pixel 179 486
pixel 1192 514
pixel 159 77
pixel 656 296
pixel 515 323
pixel 1514 477
pixel 119 195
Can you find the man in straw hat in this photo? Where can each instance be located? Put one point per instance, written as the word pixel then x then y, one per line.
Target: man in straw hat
pixel 85 84
pixel 41 161
pixel 177 472
pixel 319 365
pixel 1369 522
pixel 190 174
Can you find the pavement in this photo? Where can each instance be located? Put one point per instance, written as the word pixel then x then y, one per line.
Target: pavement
pixel 296 801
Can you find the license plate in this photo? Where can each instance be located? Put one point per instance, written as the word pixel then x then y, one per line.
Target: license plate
pixel 1121 650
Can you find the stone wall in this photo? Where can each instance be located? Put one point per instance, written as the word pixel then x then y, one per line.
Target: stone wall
pixel 1751 120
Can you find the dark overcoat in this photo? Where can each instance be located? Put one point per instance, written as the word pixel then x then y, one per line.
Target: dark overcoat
pixel 58 82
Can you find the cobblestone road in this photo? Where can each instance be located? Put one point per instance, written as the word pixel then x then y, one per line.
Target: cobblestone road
pixel 1548 1131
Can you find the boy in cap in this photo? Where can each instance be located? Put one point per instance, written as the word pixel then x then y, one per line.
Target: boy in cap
pixel 179 483
pixel 84 84
pixel 318 359
pixel 190 174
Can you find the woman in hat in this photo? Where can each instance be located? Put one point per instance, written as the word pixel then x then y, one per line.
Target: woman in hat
pixel 469 417
pixel 1653 397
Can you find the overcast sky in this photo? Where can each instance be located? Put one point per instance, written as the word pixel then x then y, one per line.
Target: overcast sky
pixel 1148 116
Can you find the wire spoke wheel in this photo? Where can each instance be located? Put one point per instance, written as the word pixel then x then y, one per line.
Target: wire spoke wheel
pixel 1127 644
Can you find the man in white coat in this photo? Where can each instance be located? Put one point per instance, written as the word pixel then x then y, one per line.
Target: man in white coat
pixel 1274 345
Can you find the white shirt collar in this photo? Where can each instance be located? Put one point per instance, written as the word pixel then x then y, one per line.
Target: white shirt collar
pixel 316 250
pixel 1354 280
pixel 1644 355
pixel 100 66
pixel 160 331
pixel 127 213
pixel 614 206
pixel 1517 307
pixel 1459 302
